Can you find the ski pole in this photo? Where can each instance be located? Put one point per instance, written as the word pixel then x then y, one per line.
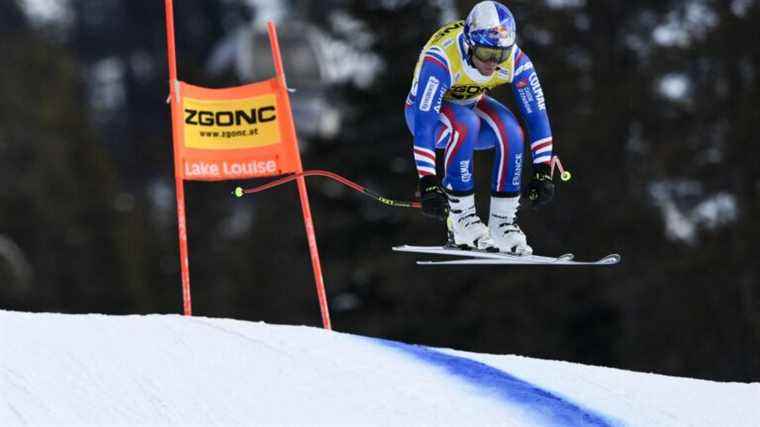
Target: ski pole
pixel 563 174
pixel 240 191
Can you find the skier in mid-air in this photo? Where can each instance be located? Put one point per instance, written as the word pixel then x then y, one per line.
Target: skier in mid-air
pixel 448 109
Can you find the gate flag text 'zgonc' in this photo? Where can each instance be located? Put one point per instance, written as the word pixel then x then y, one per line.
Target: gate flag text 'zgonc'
pixel 235 133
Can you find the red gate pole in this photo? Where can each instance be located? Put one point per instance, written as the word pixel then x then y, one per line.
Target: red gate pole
pixel 176 138
pixel 301 182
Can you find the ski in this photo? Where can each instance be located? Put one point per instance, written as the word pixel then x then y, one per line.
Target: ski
pixel 481 257
pixel 474 253
pixel 611 259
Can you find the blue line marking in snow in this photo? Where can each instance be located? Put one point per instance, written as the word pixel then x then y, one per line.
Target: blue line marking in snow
pixel 555 409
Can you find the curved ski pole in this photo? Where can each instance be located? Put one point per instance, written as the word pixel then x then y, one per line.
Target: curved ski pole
pixel 240 191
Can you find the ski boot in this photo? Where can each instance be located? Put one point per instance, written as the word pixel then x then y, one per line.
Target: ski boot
pixel 504 231
pixel 465 229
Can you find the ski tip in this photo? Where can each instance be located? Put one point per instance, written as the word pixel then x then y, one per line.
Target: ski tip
pixel 611 259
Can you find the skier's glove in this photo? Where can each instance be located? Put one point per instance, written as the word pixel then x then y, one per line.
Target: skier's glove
pixel 540 189
pixel 435 204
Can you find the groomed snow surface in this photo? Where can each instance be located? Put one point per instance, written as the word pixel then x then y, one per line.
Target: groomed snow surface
pixel 169 370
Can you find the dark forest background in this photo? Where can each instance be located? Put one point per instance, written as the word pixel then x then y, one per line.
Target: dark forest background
pixel 654 106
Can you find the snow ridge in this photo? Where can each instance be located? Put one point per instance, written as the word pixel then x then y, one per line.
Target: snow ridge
pixel 170 370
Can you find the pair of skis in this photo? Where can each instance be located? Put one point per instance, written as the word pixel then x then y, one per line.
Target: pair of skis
pixel 471 256
pixel 482 257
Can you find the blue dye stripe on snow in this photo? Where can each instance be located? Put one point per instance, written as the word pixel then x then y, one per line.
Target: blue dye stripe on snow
pixel 557 410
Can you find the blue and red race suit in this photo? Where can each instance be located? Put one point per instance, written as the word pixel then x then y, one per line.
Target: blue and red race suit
pixel 447 109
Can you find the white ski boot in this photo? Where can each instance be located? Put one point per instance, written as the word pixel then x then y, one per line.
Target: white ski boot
pixel 506 234
pixel 464 225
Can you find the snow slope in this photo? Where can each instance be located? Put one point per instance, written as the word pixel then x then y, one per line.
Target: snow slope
pixel 168 370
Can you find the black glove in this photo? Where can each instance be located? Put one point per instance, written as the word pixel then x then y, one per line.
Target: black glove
pixel 435 204
pixel 540 189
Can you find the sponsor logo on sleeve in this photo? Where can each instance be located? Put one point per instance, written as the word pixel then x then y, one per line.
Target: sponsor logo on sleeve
pixel 464 170
pixel 518 170
pixel 537 91
pixel 430 91
pixel 437 107
pixel 525 94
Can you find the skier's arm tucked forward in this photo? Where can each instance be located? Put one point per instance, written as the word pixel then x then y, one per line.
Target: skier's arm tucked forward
pixel 532 104
pixel 434 81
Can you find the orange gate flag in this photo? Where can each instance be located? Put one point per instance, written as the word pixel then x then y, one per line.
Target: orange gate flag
pixel 234 133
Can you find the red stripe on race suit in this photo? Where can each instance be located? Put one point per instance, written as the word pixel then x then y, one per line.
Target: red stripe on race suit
pixel 504 167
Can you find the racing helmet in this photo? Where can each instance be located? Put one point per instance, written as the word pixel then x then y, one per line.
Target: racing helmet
pixel 490 31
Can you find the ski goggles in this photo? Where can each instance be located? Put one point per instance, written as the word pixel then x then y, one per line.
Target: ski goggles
pixel 492 54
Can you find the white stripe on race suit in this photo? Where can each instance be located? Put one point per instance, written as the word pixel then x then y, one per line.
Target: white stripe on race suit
pixel 438 51
pixel 523 68
pixel 421 169
pixel 539 142
pixel 542 159
pixel 446 122
pixel 449 128
pixel 547 149
pixel 421 158
pixel 431 153
pixel 450 149
pixel 442 53
pixel 444 135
